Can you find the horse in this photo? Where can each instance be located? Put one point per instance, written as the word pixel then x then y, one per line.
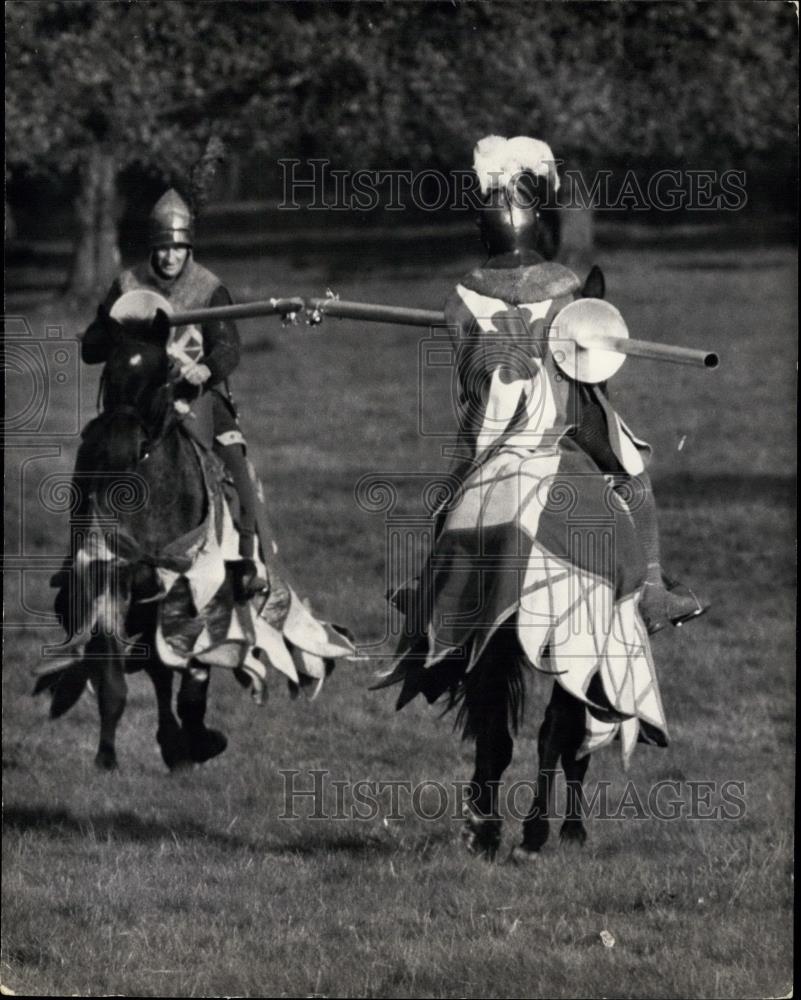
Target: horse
pixel 138 438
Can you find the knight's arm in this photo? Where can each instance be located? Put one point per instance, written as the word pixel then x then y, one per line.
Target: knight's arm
pixel 499 383
pixel 95 339
pixel 221 345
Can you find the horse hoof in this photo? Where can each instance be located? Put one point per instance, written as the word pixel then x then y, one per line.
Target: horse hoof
pixel 481 837
pixel 523 856
pixel 480 847
pixel 174 747
pixel 106 760
pixel 206 744
pixel 573 833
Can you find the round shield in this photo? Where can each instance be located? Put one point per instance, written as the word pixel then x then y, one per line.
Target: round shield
pixel 139 304
pixel 582 338
pixel 184 344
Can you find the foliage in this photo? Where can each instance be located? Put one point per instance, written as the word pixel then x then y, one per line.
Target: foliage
pixel 95 90
pixel 142 81
pixel 708 81
pixel 393 84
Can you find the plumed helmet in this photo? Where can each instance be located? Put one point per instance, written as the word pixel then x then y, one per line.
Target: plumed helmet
pixel 518 181
pixel 171 222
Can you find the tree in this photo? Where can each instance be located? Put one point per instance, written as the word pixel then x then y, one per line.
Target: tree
pixel 94 89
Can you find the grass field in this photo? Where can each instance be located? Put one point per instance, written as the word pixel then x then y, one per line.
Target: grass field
pixel 146 883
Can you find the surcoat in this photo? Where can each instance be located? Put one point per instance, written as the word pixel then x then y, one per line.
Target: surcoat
pixel 195 288
pixel 538 536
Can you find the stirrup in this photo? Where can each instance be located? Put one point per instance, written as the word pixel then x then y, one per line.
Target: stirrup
pixel 686 606
pixel 696 612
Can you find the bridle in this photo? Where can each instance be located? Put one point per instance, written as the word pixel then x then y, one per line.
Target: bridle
pixel 154 437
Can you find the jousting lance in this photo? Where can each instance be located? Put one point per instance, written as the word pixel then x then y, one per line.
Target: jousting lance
pixel 589 337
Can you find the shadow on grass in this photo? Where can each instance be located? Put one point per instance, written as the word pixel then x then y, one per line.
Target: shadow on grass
pixel 122 825
pixel 125 825
pixel 421 846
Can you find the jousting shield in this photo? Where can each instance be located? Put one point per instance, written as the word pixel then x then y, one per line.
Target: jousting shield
pixel 590 341
pixel 184 343
pixel 584 340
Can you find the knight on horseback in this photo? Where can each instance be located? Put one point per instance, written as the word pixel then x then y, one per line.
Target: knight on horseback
pixel 173 273
pixel 160 576
pixel 547 554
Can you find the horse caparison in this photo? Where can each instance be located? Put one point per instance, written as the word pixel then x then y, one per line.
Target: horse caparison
pixel 138 432
pixel 491 700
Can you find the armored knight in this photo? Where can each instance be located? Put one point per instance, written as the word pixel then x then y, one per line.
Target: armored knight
pixel 551 535
pixel 173 273
pixel 519 182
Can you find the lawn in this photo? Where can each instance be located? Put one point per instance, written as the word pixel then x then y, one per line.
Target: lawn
pixel 195 884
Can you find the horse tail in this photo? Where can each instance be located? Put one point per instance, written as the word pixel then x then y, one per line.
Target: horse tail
pixel 66 685
pixel 495 685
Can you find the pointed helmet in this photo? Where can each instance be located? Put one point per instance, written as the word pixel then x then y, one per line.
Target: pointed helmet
pixel 170 222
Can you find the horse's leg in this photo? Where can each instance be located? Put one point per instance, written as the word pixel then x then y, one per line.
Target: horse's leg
pixel 169 735
pixel 535 825
pixel 112 691
pixel 488 721
pixel 494 745
pixel 203 743
pixel 575 770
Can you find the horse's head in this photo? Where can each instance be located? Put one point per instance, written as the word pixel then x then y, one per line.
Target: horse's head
pixel 138 393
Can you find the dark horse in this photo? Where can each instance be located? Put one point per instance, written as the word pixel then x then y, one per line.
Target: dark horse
pixel 491 699
pixel 137 443
pixel 492 708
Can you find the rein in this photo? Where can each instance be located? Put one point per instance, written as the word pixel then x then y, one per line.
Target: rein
pixel 153 439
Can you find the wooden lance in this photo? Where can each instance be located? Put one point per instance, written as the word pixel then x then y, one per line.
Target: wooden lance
pixel 590 339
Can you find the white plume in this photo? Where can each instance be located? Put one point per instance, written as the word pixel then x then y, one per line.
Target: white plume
pixel 497 160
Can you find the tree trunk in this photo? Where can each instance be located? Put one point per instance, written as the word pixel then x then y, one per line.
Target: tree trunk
pixel 96 258
pixel 233 177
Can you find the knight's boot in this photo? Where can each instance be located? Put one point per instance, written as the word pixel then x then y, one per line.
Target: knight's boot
pixel 247 583
pixel 669 603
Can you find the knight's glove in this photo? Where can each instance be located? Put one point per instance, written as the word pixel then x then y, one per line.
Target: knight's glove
pixel 196 374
